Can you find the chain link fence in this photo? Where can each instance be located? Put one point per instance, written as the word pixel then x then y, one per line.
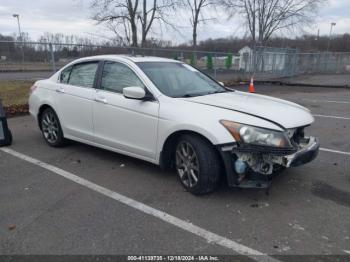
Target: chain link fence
pixel 33 60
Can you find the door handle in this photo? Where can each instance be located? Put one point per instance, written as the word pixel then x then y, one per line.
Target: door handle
pixel 60 90
pixel 101 100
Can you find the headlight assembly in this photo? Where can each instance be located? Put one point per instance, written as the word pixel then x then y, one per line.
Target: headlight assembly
pixel 256 135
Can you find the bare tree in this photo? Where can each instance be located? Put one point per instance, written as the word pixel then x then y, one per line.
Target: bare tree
pixel 126 18
pixel 196 7
pixel 265 17
pixel 149 14
pixel 116 13
pixel 122 31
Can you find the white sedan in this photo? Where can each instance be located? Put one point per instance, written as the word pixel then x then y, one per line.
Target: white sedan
pixel 169 113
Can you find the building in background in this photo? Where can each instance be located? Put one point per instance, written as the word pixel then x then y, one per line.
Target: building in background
pixel 267 60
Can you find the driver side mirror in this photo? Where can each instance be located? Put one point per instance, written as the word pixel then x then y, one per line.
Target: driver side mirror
pixel 134 92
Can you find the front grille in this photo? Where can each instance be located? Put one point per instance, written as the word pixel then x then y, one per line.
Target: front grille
pixel 250 148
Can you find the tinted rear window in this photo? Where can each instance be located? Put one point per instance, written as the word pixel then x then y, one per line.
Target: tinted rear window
pixel 83 74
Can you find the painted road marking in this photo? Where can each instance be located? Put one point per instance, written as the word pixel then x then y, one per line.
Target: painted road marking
pixel 336 117
pixel 335 151
pixel 189 227
pixel 326 101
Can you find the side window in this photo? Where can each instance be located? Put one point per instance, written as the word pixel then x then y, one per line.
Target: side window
pixel 116 76
pixel 64 76
pixel 83 74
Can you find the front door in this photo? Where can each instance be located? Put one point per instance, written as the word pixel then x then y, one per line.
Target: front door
pixel 127 125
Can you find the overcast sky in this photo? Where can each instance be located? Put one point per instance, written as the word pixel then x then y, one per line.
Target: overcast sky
pixel 72 17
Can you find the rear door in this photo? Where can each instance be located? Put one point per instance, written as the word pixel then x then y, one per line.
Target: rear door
pixel 75 95
pixel 128 125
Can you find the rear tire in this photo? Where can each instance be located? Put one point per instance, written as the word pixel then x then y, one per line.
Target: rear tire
pixel 51 128
pixel 197 164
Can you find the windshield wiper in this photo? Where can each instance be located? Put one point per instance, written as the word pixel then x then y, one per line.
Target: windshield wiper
pixel 205 93
pixel 217 92
pixel 192 95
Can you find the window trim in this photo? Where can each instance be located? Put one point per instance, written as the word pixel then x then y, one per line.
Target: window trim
pixel 115 62
pixel 81 63
pixel 150 95
pixel 64 69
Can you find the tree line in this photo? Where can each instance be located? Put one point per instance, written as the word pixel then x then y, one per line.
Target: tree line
pixel 134 21
pixel 74 46
pixel 304 43
pixel 131 19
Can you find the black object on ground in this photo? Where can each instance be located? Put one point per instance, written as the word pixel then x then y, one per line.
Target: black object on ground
pixel 5 133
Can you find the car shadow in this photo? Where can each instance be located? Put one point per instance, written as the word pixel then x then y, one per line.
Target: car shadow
pixel 252 195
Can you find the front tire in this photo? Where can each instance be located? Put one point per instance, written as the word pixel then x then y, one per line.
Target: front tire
pixel 197 164
pixel 51 128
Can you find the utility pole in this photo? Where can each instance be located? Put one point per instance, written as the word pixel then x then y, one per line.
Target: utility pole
pixel 20 34
pixel 330 36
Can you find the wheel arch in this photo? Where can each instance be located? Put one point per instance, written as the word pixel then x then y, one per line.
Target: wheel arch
pixel 167 149
pixel 41 109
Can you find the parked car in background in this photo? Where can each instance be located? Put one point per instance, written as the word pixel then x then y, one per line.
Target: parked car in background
pixel 169 113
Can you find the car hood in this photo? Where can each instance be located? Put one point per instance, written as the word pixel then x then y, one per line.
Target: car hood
pixel 281 112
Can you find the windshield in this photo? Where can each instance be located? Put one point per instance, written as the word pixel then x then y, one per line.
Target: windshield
pixel 179 80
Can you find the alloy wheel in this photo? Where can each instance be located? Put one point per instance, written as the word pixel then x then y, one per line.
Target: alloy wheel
pixel 50 127
pixel 187 164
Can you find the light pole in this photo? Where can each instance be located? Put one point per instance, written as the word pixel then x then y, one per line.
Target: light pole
pixel 330 36
pixel 20 34
pixel 19 26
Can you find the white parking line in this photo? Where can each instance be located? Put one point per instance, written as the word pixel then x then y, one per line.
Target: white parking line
pixel 335 151
pixel 326 101
pixel 335 117
pixel 189 227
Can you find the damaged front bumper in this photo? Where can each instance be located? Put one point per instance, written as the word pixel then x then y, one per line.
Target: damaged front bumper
pixel 263 164
pixel 305 155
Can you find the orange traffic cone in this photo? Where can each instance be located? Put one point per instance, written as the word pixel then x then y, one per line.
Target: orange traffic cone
pixel 251 86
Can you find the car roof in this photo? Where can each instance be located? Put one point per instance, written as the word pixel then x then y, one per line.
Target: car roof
pixel 132 58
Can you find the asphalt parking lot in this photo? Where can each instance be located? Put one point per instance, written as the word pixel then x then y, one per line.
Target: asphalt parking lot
pixel 305 212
